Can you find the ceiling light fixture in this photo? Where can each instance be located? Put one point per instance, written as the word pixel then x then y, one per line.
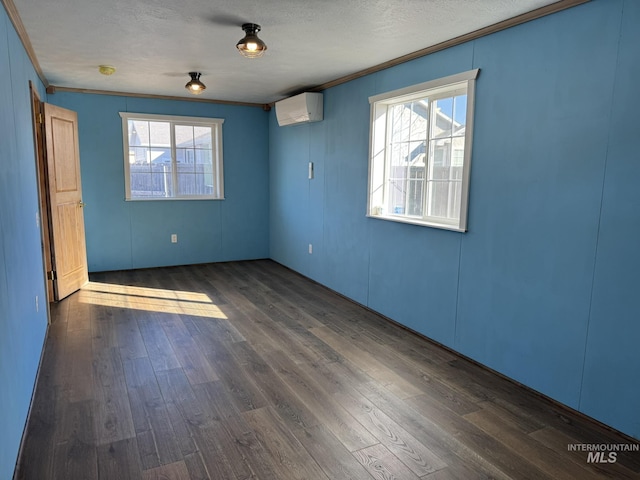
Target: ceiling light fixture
pixel 251 46
pixel 194 85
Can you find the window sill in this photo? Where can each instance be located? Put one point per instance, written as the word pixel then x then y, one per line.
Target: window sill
pixel 416 221
pixel 166 199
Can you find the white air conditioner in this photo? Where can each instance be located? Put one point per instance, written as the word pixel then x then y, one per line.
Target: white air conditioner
pixel 303 108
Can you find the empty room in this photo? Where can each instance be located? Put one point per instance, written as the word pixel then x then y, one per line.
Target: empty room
pixel 319 240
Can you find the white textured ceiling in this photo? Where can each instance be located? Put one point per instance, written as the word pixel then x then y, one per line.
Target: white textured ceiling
pixel 154 43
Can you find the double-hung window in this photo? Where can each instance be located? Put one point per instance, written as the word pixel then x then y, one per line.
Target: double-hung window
pixel 420 152
pixel 169 157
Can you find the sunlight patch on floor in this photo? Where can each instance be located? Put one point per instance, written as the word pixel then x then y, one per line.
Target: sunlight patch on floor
pixel 150 299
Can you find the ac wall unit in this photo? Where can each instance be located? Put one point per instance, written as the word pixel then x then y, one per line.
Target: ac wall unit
pixel 303 108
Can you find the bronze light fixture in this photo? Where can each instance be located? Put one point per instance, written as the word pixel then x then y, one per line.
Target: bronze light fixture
pixel 251 46
pixel 194 85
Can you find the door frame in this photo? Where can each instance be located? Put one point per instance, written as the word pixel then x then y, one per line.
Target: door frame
pixel 43 191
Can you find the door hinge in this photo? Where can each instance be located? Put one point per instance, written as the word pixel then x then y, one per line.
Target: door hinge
pixel 52 275
pixel 40 119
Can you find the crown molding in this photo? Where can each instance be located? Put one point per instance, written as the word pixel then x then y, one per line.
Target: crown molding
pixel 52 89
pixel 14 16
pixel 496 27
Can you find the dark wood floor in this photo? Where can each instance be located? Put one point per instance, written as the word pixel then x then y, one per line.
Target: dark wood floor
pixel 248 370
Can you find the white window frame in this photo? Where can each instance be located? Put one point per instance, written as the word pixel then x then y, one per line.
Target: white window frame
pixel 216 151
pixel 378 147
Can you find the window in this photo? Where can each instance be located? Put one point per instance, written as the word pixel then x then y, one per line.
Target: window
pixel 167 157
pixel 420 153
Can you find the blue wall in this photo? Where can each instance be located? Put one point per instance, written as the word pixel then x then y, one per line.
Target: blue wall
pixel 544 285
pixel 22 329
pixel 125 235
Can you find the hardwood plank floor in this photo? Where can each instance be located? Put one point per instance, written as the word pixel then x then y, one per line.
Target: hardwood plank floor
pixel 247 370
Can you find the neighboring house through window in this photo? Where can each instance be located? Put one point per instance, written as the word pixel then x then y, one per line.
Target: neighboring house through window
pixel 169 157
pixel 420 152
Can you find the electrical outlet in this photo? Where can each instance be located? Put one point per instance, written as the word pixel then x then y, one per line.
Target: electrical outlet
pixel 37 305
pixel 310 249
pixel 174 238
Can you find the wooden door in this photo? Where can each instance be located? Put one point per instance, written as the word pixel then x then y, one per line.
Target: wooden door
pixel 65 199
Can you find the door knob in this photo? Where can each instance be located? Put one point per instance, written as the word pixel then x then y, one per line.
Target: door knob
pixel 81 204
